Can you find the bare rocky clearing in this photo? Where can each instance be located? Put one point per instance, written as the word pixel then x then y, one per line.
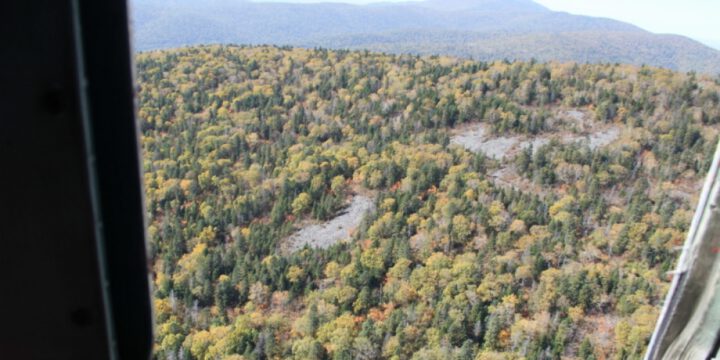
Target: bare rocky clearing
pixel 507 177
pixel 573 126
pixel 478 138
pixel 341 228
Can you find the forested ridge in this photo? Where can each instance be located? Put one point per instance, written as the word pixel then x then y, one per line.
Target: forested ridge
pixel 243 146
pixel 479 29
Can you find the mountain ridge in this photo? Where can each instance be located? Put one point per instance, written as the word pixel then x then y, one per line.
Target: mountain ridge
pixel 486 30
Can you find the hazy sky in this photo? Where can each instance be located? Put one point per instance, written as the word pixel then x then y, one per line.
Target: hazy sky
pixel 698 19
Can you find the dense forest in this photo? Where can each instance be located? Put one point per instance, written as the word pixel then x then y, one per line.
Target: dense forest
pixel 566 259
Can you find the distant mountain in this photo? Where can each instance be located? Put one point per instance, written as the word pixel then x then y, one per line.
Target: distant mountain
pixel 482 29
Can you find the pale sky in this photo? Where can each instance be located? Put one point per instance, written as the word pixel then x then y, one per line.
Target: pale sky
pixel 698 19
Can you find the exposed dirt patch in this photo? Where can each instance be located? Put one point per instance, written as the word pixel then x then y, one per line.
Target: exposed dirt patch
pixel 684 190
pixel 507 176
pixel 570 126
pixel 329 233
pixel 478 138
pixel 601 329
pixel 602 138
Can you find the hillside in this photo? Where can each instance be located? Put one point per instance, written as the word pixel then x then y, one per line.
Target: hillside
pixel 484 30
pixel 317 204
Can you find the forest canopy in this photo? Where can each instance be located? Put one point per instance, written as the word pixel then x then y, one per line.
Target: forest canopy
pixel 559 250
